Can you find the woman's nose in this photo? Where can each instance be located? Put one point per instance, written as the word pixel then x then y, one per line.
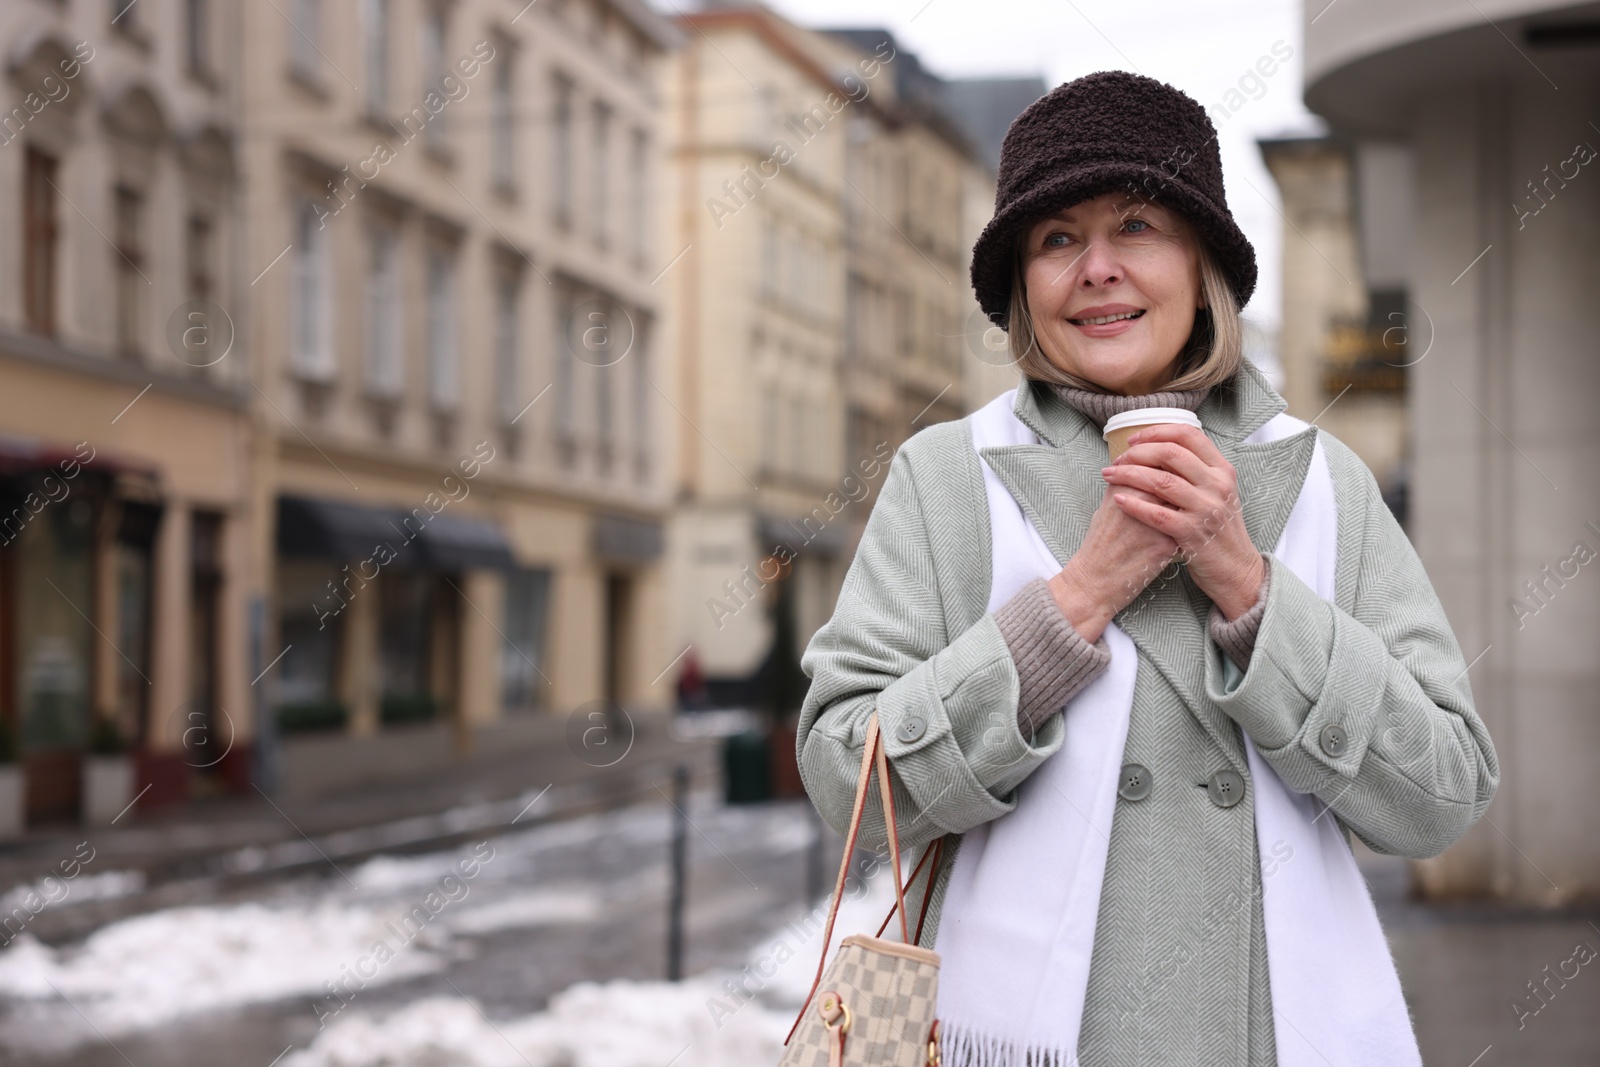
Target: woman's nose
pixel 1099 265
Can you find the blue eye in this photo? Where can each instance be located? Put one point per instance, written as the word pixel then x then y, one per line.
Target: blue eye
pixel 1049 241
pixel 1140 222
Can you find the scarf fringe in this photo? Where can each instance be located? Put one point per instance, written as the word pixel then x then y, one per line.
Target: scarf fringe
pixel 962 1046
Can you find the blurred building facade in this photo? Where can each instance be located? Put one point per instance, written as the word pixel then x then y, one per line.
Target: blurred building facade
pixel 124 437
pixel 1503 203
pixel 331 355
pixel 389 364
pixel 453 336
pixel 823 201
pixel 1344 340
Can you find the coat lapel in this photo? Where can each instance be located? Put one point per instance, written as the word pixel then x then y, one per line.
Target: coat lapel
pixel 1057 482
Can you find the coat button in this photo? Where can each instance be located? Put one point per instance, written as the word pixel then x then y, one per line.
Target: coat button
pixel 1135 783
pixel 1334 740
pixel 1226 788
pixel 912 727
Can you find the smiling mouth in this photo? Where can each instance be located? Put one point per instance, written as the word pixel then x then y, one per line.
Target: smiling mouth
pixel 1100 320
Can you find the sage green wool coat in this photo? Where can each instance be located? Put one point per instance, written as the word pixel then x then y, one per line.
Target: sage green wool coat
pixel 1179 971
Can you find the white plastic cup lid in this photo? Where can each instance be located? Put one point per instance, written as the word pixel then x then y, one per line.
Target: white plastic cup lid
pixel 1150 417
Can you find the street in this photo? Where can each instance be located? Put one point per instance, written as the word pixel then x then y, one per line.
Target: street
pixel 245 976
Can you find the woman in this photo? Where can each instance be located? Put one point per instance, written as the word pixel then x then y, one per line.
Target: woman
pixel 1140 703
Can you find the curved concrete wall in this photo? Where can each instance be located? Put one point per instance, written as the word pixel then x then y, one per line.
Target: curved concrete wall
pixel 1367 60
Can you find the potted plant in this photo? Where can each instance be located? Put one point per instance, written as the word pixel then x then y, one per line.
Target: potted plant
pixel 13 798
pixel 107 774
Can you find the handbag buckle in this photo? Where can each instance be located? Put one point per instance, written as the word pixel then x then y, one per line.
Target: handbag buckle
pixel 832 1008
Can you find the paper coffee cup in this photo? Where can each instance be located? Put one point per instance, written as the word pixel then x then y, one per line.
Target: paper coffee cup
pixel 1122 426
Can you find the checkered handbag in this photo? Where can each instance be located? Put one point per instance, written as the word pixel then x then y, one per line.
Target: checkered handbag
pixel 878 996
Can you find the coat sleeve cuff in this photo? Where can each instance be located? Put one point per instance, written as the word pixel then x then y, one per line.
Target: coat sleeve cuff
pixel 1237 639
pixel 1284 701
pixel 950 726
pixel 1053 660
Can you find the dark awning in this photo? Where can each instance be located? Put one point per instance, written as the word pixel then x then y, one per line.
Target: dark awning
pixel 808 533
pixel 462 543
pixel 336 529
pixel 25 454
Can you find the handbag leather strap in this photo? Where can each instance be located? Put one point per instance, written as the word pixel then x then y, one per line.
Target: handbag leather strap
pixel 872 753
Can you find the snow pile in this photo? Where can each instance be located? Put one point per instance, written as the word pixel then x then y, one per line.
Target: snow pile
pixel 107 885
pixel 148 969
pixel 540 907
pixel 721 1018
pixel 615 1024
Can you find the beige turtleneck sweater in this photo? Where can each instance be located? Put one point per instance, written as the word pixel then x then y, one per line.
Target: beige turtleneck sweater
pixel 1053 660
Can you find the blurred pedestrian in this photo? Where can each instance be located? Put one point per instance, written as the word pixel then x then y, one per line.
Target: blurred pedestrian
pixel 1149 700
pixel 692 692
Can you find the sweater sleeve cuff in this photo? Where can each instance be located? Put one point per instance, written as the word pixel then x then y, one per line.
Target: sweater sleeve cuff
pixel 1238 638
pixel 1053 660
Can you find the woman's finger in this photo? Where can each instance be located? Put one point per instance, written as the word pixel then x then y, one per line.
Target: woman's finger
pixel 1171 488
pixel 1152 513
pixel 1190 437
pixel 1167 455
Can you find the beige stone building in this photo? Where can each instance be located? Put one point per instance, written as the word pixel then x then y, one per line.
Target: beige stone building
pixel 456 368
pixel 1344 342
pixel 125 475
pixel 820 310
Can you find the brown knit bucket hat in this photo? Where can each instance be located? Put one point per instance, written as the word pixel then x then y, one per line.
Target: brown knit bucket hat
pixel 1097 134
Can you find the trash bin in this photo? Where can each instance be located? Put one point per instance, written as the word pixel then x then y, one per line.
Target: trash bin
pixel 745 763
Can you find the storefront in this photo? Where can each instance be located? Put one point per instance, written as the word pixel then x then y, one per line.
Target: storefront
pixel 77 538
pixel 372 612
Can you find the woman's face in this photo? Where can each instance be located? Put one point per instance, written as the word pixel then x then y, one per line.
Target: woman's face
pixel 1114 255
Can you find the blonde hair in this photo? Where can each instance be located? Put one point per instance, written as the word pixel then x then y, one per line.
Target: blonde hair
pixel 1211 355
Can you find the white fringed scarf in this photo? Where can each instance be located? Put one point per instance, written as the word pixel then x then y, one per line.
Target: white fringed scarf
pixel 1013 979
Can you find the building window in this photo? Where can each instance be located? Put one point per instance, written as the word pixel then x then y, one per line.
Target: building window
pixel 522 654
pixel 503 125
pixel 435 71
pixel 128 259
pixel 408 610
pixel 375 49
pixel 796 464
pixel 305 38
pixel 39 243
pixel 385 364
pixel 566 372
pixel 769 428
pixel 643 444
pixel 196 36
pixel 505 347
pixel 311 617
pixel 639 196
pixel 133 564
pixel 605 424
pixel 769 257
pixel 52 570
pixel 600 179
pixel 311 311
pixel 197 257
pixel 444 385
pixel 561 151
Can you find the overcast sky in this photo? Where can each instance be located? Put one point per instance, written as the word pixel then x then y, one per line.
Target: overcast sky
pixel 1203 49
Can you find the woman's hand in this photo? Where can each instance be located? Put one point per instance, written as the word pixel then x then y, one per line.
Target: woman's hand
pixel 1197 506
pixel 1119 557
